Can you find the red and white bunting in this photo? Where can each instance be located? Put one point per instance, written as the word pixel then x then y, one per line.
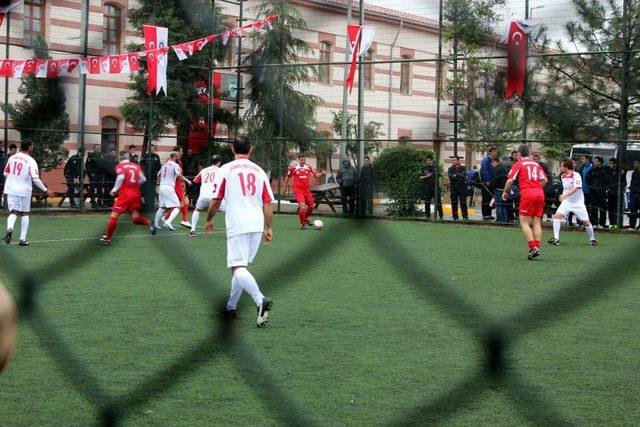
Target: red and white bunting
pixel 360 40
pixel 134 62
pixel 156 44
pixel 17 69
pixel 7 9
pixel 42 68
pixel 5 67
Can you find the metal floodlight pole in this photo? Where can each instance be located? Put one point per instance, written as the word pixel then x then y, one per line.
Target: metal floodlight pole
pixel 239 60
pixel 524 90
pixel 393 45
pixel 82 99
pixel 6 87
pixel 211 83
pixel 345 91
pixel 623 131
pixel 438 99
pixel 281 111
pixel 360 93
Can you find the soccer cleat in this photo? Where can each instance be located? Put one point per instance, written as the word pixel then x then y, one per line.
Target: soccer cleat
pixel 192 233
pixel 554 241
pixel 263 312
pixel 593 242
pixel 24 243
pixel 8 236
pixel 302 226
pixel 168 226
pixel 228 313
pixel 185 224
pixel 153 229
pixel 533 253
pixel 103 237
pixel 106 242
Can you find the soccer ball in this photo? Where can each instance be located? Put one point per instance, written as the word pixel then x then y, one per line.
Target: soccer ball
pixel 8 326
pixel 317 224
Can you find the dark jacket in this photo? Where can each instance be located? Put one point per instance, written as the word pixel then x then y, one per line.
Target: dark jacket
pixel 428 184
pixel 347 177
pixel 598 178
pixel 634 187
pixel 368 177
pixel 151 165
pixel 500 179
pixel 190 165
pixel 613 181
pixel 458 178
pixel 93 169
pixel 487 171
pixel 72 167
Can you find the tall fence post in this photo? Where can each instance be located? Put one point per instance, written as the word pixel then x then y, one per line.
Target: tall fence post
pixel 436 142
pixel 82 101
pixel 7 44
pixel 281 114
pixel 623 131
pixel 345 92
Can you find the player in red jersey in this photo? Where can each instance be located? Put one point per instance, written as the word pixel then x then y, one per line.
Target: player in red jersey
pixel 181 192
pixel 531 180
pixel 301 174
pixel 129 178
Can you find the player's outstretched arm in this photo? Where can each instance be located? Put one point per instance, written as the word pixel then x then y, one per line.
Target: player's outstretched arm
pixel 183 179
pixel 267 209
pixel 211 212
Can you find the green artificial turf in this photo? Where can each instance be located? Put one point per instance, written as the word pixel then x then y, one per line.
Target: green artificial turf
pixel 362 332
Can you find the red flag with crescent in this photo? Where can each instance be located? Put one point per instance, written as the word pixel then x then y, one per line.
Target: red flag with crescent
pixel 516 60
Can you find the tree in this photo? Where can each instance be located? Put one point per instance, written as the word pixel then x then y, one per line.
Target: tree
pixel 371 133
pixel 583 97
pixel 181 107
pixel 276 108
pixel 41 115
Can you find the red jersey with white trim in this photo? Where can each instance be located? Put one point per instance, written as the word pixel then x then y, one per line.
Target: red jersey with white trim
pixel 301 176
pixel 245 188
pixel 569 182
pixel 133 174
pixel 206 179
pixel 20 171
pixel 529 175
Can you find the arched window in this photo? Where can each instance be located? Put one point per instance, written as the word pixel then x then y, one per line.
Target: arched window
pixel 33 21
pixel 324 71
pixel 369 82
pixel 404 140
pixel 111 30
pixel 110 131
pixel 405 76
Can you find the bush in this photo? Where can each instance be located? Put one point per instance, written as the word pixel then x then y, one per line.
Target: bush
pixel 398 171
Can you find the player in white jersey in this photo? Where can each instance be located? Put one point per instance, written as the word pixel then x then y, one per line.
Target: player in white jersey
pixel 206 179
pixel 168 174
pixel 21 173
pixel 571 201
pixel 245 189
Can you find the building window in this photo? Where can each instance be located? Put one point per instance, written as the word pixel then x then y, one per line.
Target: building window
pixel 110 137
pixel 111 30
pixel 368 71
pixel 405 76
pixel 324 71
pixel 404 140
pixel 33 21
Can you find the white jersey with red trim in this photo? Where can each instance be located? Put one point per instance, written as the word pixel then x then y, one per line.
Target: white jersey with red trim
pixel 206 179
pixel 245 188
pixel 20 172
pixel 569 182
pixel 169 173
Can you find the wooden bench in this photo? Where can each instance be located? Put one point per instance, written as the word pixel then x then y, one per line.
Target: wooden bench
pixel 327 194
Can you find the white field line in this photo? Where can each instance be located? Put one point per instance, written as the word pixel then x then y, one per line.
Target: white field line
pixel 134 236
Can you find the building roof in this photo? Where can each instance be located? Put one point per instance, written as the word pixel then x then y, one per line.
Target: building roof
pixel 383 11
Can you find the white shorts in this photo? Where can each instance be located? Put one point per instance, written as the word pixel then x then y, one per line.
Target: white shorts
pixel 168 197
pixel 242 249
pixel 203 204
pixel 18 203
pixel 578 210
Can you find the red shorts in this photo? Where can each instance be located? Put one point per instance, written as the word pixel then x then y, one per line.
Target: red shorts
pixel 127 204
pixel 532 205
pixel 180 191
pixel 304 197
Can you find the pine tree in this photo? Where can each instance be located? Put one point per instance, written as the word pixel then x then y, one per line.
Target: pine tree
pixel 186 21
pixel 273 88
pixel 41 115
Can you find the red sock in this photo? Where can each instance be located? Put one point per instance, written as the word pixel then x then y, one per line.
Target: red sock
pixel 141 221
pixel 301 214
pixel 167 214
pixel 538 243
pixel 532 244
pixel 111 227
pixel 185 212
pixel 308 214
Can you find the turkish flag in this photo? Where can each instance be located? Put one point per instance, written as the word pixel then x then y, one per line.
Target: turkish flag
pixel 114 64
pixel 134 62
pixel 354 32
pixel 516 60
pixel 5 67
pixel 53 69
pixel 73 64
pixel 8 8
pixel 156 45
pixel 29 66
pixel 93 65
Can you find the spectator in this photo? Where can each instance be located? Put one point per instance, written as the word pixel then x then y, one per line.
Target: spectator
pixel 72 172
pixel 133 157
pixel 3 161
pixel 515 156
pixel 487 174
pixel 347 179
pixel 502 169
pixel 13 149
pixel 612 190
pixel 598 182
pixel 472 183
pixel 368 179
pixel 109 163
pixel 96 177
pixel 428 178
pixel 634 202
pixel 458 183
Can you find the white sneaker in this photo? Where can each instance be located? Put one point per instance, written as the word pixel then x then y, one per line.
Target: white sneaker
pixel 263 312
pixel 168 226
pixel 185 224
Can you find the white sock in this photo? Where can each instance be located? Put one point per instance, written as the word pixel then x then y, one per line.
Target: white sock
pixel 11 221
pixel 172 216
pixel 24 227
pixel 194 220
pixel 236 292
pixel 248 283
pixel 159 214
pixel 557 223
pixel 592 234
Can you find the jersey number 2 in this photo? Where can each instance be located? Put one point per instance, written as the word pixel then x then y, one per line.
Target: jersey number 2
pixel 248 185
